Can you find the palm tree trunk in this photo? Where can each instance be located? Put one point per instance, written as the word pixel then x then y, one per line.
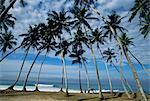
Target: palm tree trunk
pixel 65 75
pixel 121 77
pixel 12 86
pixel 38 78
pixel 7 9
pixel 25 82
pixel 62 78
pixel 130 64
pixel 106 66
pixel 80 79
pixel 9 53
pixel 109 79
pixel 146 71
pixel 97 74
pixel 135 75
pixel 87 76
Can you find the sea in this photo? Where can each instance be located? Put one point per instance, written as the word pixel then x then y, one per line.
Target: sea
pixel 54 85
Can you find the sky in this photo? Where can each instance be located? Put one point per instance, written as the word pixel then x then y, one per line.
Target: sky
pixel 36 11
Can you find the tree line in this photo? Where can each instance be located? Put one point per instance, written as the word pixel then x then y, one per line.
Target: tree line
pixel 75 23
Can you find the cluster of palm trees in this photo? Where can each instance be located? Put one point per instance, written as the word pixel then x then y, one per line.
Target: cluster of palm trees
pixel 69 33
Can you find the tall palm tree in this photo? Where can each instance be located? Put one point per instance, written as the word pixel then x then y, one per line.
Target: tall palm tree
pixel 110 25
pixel 77 43
pixel 141 8
pixel 108 55
pixel 81 17
pixel 32 40
pixel 25 44
pixel 48 45
pixel 5 11
pixel 63 49
pixel 7 41
pixel 77 59
pixel 61 20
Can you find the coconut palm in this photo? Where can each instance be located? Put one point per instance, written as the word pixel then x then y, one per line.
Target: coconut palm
pixel 63 49
pixel 84 38
pixel 81 16
pixel 77 43
pixel 114 21
pixel 108 55
pixel 7 41
pixel 141 8
pixel 48 45
pixel 110 25
pixel 77 59
pixel 5 11
pixel 61 20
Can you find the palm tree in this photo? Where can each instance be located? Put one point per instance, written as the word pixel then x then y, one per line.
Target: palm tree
pixel 61 20
pixel 141 8
pixel 6 21
pixel 77 55
pixel 77 43
pixel 108 55
pixel 63 49
pixel 112 25
pixel 81 16
pixel 84 38
pixel 32 39
pixel 47 44
pixel 5 11
pixel 7 41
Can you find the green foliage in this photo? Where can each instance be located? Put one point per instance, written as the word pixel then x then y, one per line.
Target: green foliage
pixel 7 41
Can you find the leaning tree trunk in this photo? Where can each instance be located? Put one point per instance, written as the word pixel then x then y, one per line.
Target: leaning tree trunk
pixel 109 79
pixel 9 53
pixel 7 9
pixel 26 79
pixel 38 78
pixel 65 75
pixel 106 66
pixel 62 78
pixel 97 74
pixel 87 76
pixel 129 62
pixel 80 79
pixel 135 75
pixel 146 71
pixel 121 77
pixel 12 86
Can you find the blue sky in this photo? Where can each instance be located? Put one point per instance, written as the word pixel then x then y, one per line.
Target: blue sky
pixel 36 12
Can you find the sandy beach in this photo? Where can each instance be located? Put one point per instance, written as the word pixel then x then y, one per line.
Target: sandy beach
pixel 59 96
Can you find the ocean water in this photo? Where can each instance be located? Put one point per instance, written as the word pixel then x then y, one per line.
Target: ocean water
pixel 54 84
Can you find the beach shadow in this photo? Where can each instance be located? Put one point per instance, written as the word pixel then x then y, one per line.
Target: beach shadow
pixel 84 99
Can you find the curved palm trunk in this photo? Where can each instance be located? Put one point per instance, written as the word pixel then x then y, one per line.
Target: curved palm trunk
pixel 80 79
pixel 65 75
pixel 7 9
pixel 106 66
pixel 62 78
pixel 130 64
pixel 121 77
pixel 25 82
pixel 38 78
pixel 87 76
pixel 9 53
pixel 12 86
pixel 135 75
pixel 146 71
pixel 109 79
pixel 97 74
